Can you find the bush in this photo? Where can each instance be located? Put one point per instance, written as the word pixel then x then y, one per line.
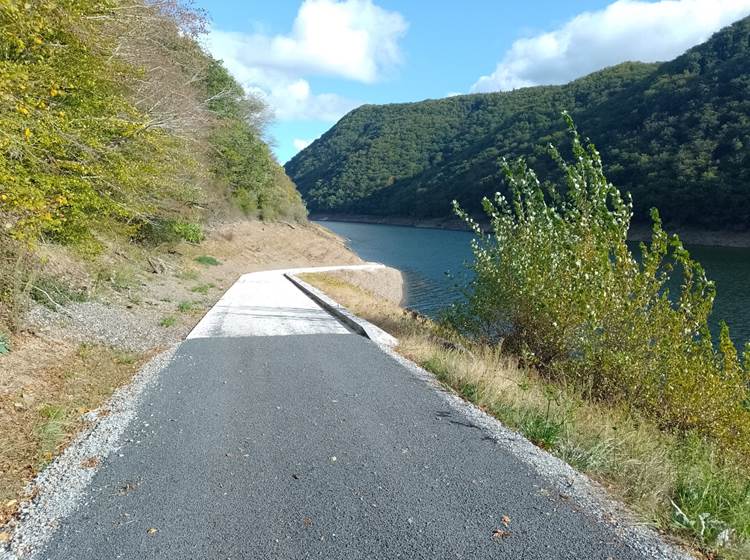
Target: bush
pixel 558 281
pixel 159 231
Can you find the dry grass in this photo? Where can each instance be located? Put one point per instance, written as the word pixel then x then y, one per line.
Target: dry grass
pixel 41 411
pixel 637 463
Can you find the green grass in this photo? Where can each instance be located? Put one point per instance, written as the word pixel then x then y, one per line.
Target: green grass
pixel 168 321
pixel 185 306
pixel 207 260
pixel 202 288
pixel 124 358
pixel 53 429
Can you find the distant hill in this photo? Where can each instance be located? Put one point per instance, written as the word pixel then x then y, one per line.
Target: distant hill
pixel 676 135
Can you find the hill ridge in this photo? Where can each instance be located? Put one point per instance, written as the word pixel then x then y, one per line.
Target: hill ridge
pixel 675 134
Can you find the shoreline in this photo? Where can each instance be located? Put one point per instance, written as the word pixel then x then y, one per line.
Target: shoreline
pixel 638 232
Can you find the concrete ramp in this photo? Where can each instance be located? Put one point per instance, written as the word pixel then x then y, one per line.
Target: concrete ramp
pixel 268 304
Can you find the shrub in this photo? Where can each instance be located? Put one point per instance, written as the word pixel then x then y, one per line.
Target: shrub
pixel 159 231
pixel 558 281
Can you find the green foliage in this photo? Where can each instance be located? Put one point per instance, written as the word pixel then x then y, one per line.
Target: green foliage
pixel 243 161
pixel 710 497
pixel 75 151
pixel 168 321
pixel 558 281
pixel 675 135
pixel 100 133
pixel 159 231
pixel 207 260
pixel 202 288
pixel 185 306
pixel 192 233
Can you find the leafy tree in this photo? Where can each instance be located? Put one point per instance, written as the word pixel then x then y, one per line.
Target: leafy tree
pixel 558 284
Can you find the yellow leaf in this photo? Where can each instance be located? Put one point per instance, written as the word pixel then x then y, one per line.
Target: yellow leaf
pixel 152 530
pixel 4 537
pixel 11 503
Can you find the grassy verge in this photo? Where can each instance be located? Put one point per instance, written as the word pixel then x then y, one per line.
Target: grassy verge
pixel 39 421
pixel 676 484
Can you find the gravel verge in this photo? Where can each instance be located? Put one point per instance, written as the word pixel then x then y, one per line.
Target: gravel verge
pixel 58 488
pixel 93 321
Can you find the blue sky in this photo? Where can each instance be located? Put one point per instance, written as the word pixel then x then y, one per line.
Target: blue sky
pixel 314 60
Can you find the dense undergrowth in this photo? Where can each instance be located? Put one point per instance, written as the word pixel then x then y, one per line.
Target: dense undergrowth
pixel 115 124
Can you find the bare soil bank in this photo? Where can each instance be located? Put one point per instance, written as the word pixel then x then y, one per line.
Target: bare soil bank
pixel 638 232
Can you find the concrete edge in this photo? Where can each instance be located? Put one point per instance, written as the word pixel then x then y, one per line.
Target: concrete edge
pixel 358 325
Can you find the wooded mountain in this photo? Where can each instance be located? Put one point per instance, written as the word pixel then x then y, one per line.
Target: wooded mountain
pixel 674 134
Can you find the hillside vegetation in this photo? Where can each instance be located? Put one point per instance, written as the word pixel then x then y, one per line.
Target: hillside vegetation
pixel 676 135
pixel 116 126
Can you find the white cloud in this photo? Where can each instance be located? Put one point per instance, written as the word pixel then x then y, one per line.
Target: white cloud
pixel 624 30
pixel 351 39
pixel 300 144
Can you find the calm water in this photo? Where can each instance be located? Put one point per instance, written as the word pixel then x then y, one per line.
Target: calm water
pixel 432 261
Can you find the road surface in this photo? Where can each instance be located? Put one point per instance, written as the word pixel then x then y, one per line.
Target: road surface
pixel 276 433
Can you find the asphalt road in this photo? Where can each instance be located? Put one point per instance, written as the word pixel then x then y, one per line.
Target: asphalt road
pixel 313 445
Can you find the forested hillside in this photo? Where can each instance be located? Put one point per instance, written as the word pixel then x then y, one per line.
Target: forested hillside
pixel 116 126
pixel 676 135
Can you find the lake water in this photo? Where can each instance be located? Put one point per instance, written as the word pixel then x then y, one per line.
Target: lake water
pixel 432 261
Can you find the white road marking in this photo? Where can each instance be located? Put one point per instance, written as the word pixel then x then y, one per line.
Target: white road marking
pixel 268 304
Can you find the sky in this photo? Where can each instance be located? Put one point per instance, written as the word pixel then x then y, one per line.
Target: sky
pixel 313 61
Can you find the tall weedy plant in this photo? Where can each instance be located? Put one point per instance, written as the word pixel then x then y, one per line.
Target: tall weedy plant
pixel 557 279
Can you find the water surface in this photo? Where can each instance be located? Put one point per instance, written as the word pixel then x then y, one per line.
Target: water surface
pixel 432 261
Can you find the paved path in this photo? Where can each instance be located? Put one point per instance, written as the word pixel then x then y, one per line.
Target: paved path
pixel 275 433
